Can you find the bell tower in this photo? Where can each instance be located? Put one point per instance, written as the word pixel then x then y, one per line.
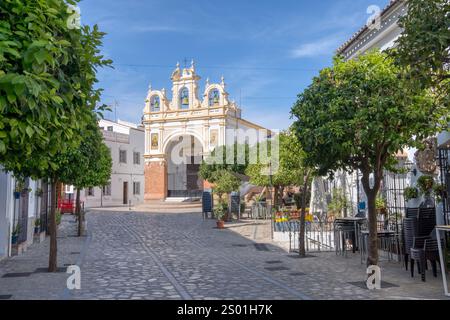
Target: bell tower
pixel 185 88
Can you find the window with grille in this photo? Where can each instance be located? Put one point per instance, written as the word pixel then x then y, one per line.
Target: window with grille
pixel 136 188
pixel 122 156
pixel 107 189
pixel 136 157
pixel 90 192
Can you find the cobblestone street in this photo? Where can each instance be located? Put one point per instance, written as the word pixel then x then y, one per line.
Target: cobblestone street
pixel 130 255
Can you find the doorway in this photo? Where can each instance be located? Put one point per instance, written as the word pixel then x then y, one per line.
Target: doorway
pixel 184 158
pixel 125 192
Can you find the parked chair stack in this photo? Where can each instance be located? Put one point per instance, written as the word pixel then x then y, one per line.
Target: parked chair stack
pixel 418 228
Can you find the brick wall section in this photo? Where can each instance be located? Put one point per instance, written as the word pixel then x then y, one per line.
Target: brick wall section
pixel 155 180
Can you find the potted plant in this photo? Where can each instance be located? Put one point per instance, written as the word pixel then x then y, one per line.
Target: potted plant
pixel 39 192
pixel 15 234
pixel 410 193
pixel 380 205
pixel 219 213
pixel 37 225
pixel 18 189
pixel 440 191
pixel 425 184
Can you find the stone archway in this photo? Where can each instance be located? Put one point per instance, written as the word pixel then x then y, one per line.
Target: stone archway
pixel 184 154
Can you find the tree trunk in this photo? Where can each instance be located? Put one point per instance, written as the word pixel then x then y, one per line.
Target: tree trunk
pixel 372 257
pixel 52 261
pixel 371 193
pixel 275 196
pixel 280 196
pixel 79 214
pixel 301 236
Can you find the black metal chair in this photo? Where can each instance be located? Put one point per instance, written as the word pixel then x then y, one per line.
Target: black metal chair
pixel 409 232
pixel 426 221
pixel 412 212
pixel 425 250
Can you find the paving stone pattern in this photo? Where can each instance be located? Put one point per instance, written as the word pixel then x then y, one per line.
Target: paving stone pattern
pixel 131 255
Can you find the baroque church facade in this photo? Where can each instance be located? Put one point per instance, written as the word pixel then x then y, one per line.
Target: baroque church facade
pixel 187 127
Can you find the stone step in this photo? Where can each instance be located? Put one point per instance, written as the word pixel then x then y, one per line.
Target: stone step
pixel 164 205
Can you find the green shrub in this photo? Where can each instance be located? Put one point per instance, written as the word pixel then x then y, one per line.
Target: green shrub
pixel 425 184
pixel 410 193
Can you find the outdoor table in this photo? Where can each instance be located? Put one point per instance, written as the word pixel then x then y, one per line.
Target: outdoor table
pixel 441 256
pixel 356 222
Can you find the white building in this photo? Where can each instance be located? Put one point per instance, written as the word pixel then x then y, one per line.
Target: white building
pixel 191 124
pixel 20 209
pixel 126 142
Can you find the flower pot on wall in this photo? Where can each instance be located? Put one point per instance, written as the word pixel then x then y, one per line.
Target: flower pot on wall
pixel 14 238
pixel 16 195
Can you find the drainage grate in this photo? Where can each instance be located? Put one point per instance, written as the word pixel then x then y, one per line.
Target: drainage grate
pixel 273 261
pixel 261 247
pixel 238 245
pixel 363 285
pixel 75 252
pixel 276 268
pixel 297 274
pixel 45 270
pixel 16 275
pixel 5 296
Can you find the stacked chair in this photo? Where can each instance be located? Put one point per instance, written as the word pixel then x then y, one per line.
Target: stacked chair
pixel 419 245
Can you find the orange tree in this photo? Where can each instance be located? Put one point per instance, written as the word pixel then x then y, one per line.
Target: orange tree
pixel 47 93
pixel 356 115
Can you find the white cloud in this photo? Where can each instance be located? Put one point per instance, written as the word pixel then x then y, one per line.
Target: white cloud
pixel 316 48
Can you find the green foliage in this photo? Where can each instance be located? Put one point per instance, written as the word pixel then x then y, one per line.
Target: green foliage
pixel 39 192
pixel 425 184
pixel 422 49
pixel 440 191
pixel 16 230
pixel 225 182
pixel 410 193
pixel 37 222
pixel 89 164
pixel 380 203
pixel 288 170
pixel 58 216
pixel 217 161
pixel 220 210
pixel 47 78
pixel 338 202
pixel 358 114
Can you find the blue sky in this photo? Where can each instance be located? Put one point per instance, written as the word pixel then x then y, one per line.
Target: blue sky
pixel 268 51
